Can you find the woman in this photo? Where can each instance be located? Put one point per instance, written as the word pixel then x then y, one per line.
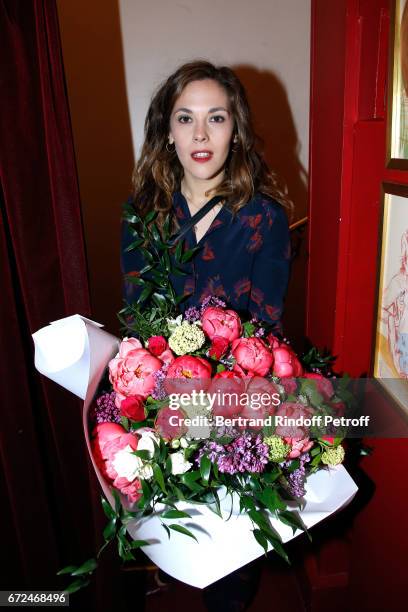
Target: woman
pixel 395 312
pixel 199 143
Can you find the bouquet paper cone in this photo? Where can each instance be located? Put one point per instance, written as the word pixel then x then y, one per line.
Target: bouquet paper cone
pixel 74 352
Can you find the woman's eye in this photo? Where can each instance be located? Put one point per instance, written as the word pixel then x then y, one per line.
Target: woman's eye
pixel 218 118
pixel 183 118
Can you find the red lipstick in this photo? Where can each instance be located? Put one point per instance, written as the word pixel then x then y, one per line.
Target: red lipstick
pixel 202 156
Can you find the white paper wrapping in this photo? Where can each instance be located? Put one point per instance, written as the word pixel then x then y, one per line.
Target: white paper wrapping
pixel 74 352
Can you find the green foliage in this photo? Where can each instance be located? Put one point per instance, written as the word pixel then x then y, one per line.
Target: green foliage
pixel 115 529
pixel 314 358
pixel 157 301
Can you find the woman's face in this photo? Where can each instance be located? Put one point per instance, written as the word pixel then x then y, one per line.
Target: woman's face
pixel 201 128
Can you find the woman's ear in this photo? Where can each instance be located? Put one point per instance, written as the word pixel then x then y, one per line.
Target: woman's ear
pixel 171 139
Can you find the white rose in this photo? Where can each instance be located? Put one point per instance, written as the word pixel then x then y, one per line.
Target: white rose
pixel 127 465
pixel 146 442
pixel 183 443
pixel 179 465
pixel 145 472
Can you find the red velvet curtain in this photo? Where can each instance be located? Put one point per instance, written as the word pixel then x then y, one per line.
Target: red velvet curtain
pixel 49 497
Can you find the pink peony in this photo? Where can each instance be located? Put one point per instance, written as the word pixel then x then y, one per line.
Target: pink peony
pixel 227 387
pixel 129 344
pixel 324 386
pixel 262 395
pixel 272 341
pixel 298 446
pixel 220 322
pixel 252 355
pixel 187 373
pixel 170 429
pixel 286 364
pixel 293 410
pixel 133 374
pixel 108 439
pixel 289 384
pixel 166 356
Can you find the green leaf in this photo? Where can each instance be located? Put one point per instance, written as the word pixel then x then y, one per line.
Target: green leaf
pixel 107 508
pixel 146 292
pixel 156 234
pixel 271 498
pixel 134 245
pixel 158 475
pixel 178 493
pixel 152 214
pixel 147 256
pixel 135 280
pixel 167 262
pixel 139 543
pixel 249 329
pixel 145 269
pixel 270 477
pixel 189 479
pixel 167 529
pixel 110 530
pixel 147 492
pixel 124 422
pixel 189 254
pixel 132 218
pixel 142 454
pixel 75 586
pixel 172 514
pixel 205 469
pixel 183 530
pixel 67 570
pixel 293 520
pixel 261 539
pixel 86 568
pixel 247 503
pixel 277 546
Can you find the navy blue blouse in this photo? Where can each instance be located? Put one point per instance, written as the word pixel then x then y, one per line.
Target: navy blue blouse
pixel 244 260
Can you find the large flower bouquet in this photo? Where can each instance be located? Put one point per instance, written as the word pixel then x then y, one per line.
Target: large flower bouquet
pixel 209 406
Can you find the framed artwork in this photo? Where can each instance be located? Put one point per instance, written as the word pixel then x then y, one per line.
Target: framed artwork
pixel 397 127
pixel 391 337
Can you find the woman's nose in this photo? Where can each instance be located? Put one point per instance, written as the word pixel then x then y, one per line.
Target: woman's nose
pixel 200 133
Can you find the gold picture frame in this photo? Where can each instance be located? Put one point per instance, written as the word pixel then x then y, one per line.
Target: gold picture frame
pixel 397 120
pixel 390 365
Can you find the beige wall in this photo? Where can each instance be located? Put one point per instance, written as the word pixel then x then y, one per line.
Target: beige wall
pixel 265 41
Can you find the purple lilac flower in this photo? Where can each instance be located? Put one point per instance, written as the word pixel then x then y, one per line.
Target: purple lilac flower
pixel 192 314
pixel 259 332
pixel 212 300
pixel 159 392
pixel 106 410
pixel 296 479
pixel 245 454
pixel 226 430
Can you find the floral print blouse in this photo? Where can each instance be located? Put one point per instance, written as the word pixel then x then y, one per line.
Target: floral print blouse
pixel 244 260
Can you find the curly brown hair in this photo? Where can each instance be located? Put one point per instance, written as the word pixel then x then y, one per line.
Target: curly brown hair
pixel 158 172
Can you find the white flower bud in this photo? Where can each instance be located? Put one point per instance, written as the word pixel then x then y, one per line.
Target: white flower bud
pixel 179 465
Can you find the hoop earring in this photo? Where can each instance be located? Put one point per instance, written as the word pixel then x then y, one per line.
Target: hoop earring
pixel 235 145
pixel 170 150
